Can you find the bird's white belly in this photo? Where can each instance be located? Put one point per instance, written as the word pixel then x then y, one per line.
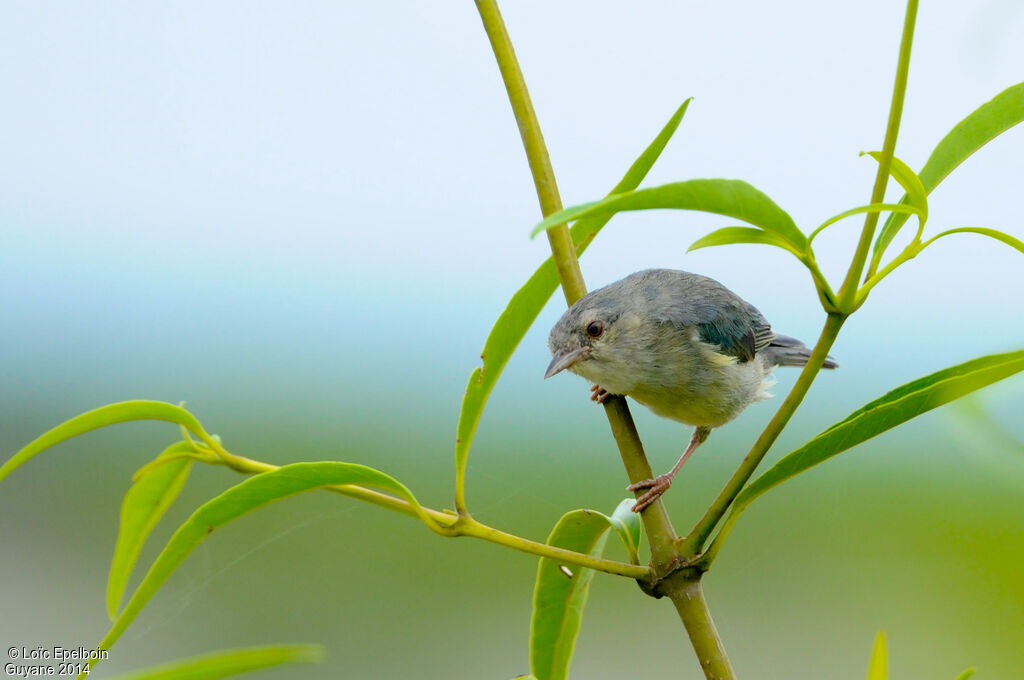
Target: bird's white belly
pixel 710 398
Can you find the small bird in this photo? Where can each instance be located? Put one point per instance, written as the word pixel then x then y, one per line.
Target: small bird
pixel 681 344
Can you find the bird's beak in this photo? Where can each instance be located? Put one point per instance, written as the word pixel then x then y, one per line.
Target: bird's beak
pixel 564 358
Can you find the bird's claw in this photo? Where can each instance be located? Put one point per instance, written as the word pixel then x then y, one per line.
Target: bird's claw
pixel 598 394
pixel 656 486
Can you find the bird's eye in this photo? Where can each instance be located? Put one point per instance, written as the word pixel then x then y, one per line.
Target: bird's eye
pixel 595 328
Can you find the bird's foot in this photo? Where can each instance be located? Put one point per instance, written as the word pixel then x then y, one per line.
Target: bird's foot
pixel 656 486
pixel 599 394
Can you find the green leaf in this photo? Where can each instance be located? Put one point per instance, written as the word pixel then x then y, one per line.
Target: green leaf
pixel 874 207
pixel 229 662
pixel 730 235
pixel 878 667
pixel 991 233
pixel 559 596
pixel 983 125
pixel 729 197
pixel 966 674
pixel 145 503
pixel 627 525
pixel 250 494
pixel 122 412
pixel 916 195
pixel 526 304
pixel 561 591
pixel 892 409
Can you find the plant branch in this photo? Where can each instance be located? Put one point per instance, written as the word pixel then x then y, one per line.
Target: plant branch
pixel 536 150
pixel 848 291
pixel 655 518
pixel 477 530
pixel 688 597
pixel 691 545
pixel 452 525
pixel 848 301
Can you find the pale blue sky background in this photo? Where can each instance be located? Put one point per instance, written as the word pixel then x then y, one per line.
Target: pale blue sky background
pixel 304 218
pixel 231 162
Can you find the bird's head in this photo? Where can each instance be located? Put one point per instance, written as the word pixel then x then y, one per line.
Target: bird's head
pixel 584 340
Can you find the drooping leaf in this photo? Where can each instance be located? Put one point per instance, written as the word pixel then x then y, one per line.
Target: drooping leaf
pixel 229 662
pixel 729 197
pixel 561 590
pixel 917 196
pixel 145 503
pixel 730 235
pixel 878 667
pixel 244 497
pixel 983 125
pixel 561 593
pixel 991 233
pixel 894 408
pixel 526 304
pixel 627 525
pixel 111 414
pixel 874 207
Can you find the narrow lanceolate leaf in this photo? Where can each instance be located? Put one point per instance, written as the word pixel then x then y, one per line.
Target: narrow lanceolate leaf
pixel 526 304
pixel 229 662
pixel 874 207
pixel 966 674
pixel 561 593
pixel 731 235
pixel 896 407
pixel 145 503
pixel 878 667
pixel 250 494
pixel 730 197
pixel 122 412
pixel 916 195
pixel 991 233
pixel 983 125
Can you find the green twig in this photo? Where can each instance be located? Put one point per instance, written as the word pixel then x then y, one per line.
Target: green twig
pixel 536 151
pixel 691 545
pixel 659 529
pixel 449 524
pixel 848 291
pixel 847 303
pixel 688 597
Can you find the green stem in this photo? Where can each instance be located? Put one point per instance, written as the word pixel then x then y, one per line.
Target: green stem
pixel 909 253
pixel 660 533
pixel 477 530
pixel 848 301
pixel 536 150
pixel 691 545
pixel 848 291
pixel 163 460
pixel 448 524
pixel 688 597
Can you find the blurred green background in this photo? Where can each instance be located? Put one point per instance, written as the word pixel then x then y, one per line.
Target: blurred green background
pixel 303 220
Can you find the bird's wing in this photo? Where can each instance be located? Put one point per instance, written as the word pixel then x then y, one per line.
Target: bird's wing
pixel 739 330
pixel 720 316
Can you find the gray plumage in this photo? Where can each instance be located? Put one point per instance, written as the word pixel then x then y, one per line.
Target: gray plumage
pixel 681 344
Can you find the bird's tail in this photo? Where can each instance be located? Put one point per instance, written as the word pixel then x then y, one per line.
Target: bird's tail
pixel 787 351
